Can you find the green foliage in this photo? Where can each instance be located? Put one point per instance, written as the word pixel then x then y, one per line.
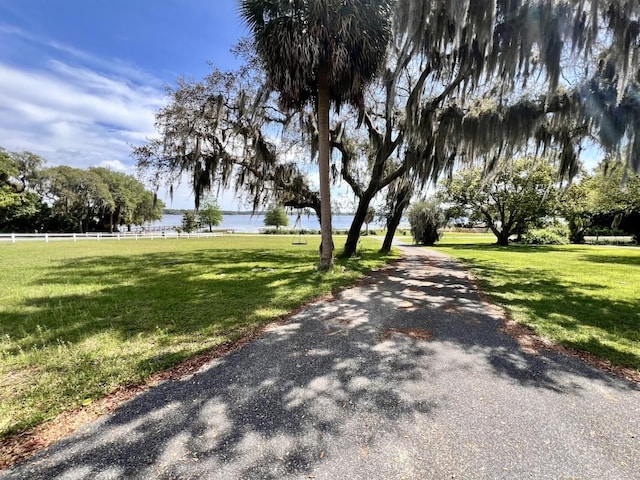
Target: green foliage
pixel 148 209
pixel 210 214
pixel 189 222
pixel 371 213
pixel 302 231
pixel 80 200
pixel 21 209
pixel 519 193
pixel 78 320
pixel 276 216
pixel 426 219
pixel 606 200
pixel 546 236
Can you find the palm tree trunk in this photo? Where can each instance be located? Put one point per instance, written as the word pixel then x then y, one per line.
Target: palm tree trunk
pixel 326 247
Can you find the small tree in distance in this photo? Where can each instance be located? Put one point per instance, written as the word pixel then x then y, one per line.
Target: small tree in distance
pixel 371 213
pixel 426 219
pixel 210 214
pixel 275 216
pixel 189 223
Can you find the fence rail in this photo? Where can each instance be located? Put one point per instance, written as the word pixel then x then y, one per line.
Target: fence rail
pixel 610 240
pixel 96 236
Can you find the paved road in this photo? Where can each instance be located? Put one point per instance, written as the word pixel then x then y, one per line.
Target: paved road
pixel 336 394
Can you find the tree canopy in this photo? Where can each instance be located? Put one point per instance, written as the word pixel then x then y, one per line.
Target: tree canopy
pixel 462 81
pixel 276 216
pixel 509 201
pixel 62 198
pixel 210 214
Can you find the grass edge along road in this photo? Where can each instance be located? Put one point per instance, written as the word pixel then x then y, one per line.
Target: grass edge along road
pixel 79 320
pixel 580 296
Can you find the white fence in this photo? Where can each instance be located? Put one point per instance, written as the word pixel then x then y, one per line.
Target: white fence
pixel 75 237
pixel 610 240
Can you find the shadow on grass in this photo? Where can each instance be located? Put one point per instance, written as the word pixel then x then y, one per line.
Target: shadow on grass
pixel 160 307
pixel 558 304
pixel 196 293
pixel 619 259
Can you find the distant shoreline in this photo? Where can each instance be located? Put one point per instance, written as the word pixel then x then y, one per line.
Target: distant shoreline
pixel 182 211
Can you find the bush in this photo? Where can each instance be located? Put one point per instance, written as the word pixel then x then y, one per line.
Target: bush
pixel 604 231
pixel 303 231
pixel 556 235
pixel 426 219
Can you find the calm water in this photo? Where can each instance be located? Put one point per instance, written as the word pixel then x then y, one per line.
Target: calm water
pixel 253 224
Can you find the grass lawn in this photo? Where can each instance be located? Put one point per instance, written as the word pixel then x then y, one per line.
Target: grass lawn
pixel 77 320
pixel 585 297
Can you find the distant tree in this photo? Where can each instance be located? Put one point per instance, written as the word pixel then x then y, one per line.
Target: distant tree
pixel 80 196
pixel 210 213
pixel 126 192
pixel 575 207
pixel 371 213
pixel 21 208
pixel 189 222
pixel 509 201
pixel 426 219
pixel 148 209
pixel 276 216
pixel 613 198
pixel 9 195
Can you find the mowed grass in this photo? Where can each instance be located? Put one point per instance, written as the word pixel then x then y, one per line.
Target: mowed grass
pixel 585 297
pixel 77 320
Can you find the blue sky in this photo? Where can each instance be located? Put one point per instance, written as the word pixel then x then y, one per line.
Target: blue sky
pixel 80 80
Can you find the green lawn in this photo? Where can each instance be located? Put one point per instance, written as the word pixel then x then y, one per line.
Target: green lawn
pixel 77 320
pixel 585 297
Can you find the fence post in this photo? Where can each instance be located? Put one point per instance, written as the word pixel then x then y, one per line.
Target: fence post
pixel 46 238
pixel 13 238
pixel 75 239
pixel 118 236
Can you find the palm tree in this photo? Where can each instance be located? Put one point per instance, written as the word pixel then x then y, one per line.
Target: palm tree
pixel 320 51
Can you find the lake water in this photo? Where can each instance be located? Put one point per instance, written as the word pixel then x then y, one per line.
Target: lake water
pixel 254 223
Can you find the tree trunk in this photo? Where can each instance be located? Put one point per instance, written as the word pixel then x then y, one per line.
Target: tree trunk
pixel 404 198
pixel 353 236
pixel 503 238
pixel 326 247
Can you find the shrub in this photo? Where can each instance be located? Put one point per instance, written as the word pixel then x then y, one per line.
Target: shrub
pixel 547 236
pixel 426 219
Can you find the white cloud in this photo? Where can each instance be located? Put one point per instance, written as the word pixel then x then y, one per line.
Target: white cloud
pixel 72 115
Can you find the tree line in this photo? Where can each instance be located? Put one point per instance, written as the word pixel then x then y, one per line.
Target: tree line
pixel 417 87
pixel 37 198
pixel 523 196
